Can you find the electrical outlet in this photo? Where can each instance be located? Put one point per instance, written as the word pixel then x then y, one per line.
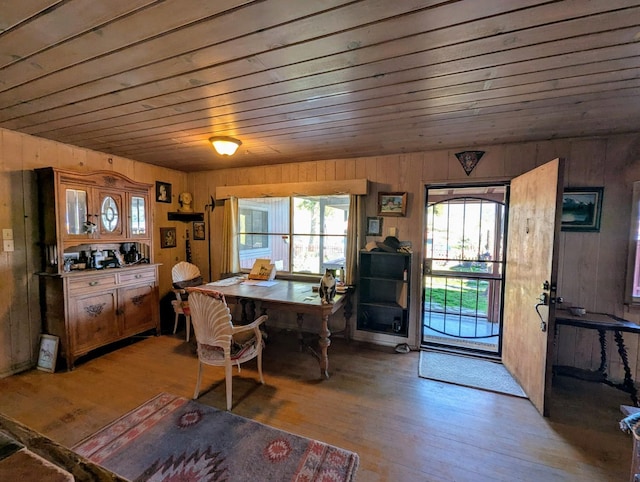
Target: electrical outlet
pixel 7 233
pixel 7 245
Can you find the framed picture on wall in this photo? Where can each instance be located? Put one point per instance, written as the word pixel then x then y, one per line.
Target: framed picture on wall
pixel 163 192
pixel 392 204
pixel 374 226
pixel 48 353
pixel 581 208
pixel 198 230
pixel 167 237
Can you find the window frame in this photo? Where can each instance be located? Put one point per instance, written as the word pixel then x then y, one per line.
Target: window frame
pixel 291 235
pixel 632 291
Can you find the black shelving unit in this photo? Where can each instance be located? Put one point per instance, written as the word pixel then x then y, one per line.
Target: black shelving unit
pixel 185 217
pixel 383 292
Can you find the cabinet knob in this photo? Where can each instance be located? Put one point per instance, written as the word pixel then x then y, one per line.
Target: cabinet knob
pixel 93 283
pixel 138 276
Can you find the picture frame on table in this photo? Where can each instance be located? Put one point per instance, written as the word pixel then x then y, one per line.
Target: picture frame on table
pixel 48 353
pixel 582 209
pixel 374 226
pixel 168 238
pixel 392 204
pixel 163 192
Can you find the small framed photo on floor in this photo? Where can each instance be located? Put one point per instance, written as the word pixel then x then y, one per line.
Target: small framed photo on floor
pixel 48 353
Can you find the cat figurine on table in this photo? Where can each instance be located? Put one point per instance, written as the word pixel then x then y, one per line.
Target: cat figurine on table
pixel 327 288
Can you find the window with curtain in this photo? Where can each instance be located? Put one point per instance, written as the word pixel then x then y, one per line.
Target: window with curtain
pixel 633 264
pixel 300 234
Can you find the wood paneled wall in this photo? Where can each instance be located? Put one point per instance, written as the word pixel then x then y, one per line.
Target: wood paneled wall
pixel 20 154
pixel 592 265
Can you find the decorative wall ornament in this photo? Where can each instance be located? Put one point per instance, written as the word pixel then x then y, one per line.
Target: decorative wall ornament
pixel 138 300
pixel 94 310
pixel 110 181
pixel 469 159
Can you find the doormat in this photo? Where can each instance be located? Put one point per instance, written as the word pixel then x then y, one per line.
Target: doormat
pixel 469 372
pixel 171 438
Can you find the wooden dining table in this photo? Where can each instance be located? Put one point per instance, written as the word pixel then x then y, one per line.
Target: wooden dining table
pixel 295 296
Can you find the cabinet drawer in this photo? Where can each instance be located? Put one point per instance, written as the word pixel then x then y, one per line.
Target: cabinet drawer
pixel 137 275
pixel 93 282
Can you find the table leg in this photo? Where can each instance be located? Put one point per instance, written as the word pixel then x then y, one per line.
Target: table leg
pixel 348 311
pixel 628 384
pixel 603 352
pixel 299 319
pixel 324 343
pixel 244 319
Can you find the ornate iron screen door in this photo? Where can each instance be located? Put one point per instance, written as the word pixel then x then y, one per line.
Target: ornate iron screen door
pixel 463 267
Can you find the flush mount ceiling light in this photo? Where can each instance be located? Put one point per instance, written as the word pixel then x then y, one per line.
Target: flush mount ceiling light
pixel 225 146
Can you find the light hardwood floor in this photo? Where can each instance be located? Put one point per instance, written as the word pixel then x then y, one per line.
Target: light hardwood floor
pixel 403 427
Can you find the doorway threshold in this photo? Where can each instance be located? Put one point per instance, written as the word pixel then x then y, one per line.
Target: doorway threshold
pixel 460 350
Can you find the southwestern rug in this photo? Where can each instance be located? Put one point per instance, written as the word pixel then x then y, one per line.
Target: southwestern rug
pixel 170 438
pixel 469 372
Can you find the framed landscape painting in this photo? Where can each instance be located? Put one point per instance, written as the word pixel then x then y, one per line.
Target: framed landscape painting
pixel 392 204
pixel 581 208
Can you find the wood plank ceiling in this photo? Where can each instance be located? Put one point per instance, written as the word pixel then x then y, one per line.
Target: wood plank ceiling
pixel 309 80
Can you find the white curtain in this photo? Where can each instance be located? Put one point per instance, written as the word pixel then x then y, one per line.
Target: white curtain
pixel 230 252
pixel 355 240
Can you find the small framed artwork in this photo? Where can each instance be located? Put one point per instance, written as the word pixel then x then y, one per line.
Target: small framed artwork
pixel 392 204
pixel 163 192
pixel 167 237
pixel 374 226
pixel 48 353
pixel 198 230
pixel 581 208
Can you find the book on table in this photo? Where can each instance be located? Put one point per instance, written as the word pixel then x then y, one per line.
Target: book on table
pixel 263 269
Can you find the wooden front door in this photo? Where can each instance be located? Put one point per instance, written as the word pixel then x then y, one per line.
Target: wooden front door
pixel 530 279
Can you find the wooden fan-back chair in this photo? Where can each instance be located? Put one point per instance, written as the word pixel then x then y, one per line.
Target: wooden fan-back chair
pixel 183 275
pixel 219 341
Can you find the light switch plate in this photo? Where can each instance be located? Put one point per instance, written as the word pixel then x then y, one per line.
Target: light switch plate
pixel 7 245
pixel 7 233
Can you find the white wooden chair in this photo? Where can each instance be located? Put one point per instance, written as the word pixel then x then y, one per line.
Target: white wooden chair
pixel 183 275
pixel 220 342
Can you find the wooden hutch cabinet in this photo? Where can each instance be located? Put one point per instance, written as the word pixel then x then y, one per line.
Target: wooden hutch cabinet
pixel 98 283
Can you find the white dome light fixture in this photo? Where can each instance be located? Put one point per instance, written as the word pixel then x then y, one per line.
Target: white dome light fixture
pixel 225 146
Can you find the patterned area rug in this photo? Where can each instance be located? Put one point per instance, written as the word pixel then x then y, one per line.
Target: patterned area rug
pixel 171 438
pixel 469 372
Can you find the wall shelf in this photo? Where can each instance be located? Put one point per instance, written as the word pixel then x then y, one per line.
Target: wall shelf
pixel 185 217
